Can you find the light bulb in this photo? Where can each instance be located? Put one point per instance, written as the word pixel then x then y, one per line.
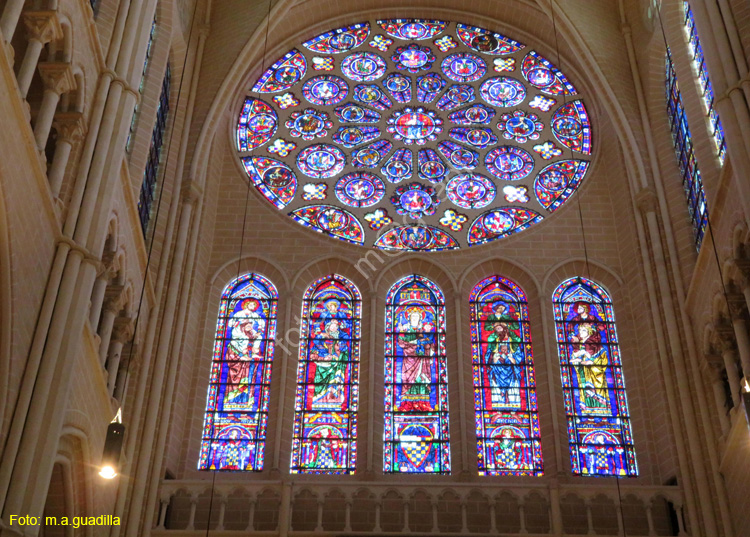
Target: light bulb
pixel 108 472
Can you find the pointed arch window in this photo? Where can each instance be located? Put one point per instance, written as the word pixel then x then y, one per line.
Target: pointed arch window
pixel 505 402
pixel 327 398
pixel 417 438
pixel 692 183
pixel 707 90
pixel 599 432
pixel 234 428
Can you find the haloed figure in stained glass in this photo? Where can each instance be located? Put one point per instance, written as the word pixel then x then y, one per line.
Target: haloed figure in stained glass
pixel 325 417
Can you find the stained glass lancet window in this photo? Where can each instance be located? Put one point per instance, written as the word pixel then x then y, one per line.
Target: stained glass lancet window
pixel 416 379
pixel 601 441
pixel 699 64
pixel 504 387
pixel 683 146
pixel 325 417
pixel 234 429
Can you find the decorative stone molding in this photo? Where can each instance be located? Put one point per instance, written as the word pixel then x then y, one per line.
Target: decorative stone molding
pixel 69 126
pixel 646 200
pixel 57 76
pixel 42 26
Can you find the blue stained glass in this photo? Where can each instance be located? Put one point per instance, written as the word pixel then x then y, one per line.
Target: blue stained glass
pixel 479 138
pixel 257 124
pixel 360 189
pixel 416 438
pixel 416 238
pixel 456 96
pixel 354 136
pixel 413 58
pixel 415 125
pixel 234 428
pixel 428 86
pixel 363 66
pixel 372 95
pixel 339 40
pixel 371 155
pixel 471 191
pixel 599 432
pixel 464 67
pixel 321 161
pixel 509 163
pixel 399 86
pixel 501 222
pixel 476 114
pixel 572 128
pixel 399 166
pixel 415 200
pixel 692 183
pixel 485 41
pixel 327 398
pixel 275 180
pixel 461 157
pixel 503 91
pixel 352 113
pixel 331 221
pixel 556 182
pixel 507 423
pixel 431 166
pixel 283 74
pixel 416 29
pixel 543 75
pixel 325 90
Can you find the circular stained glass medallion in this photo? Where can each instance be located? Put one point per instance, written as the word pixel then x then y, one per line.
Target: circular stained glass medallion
pixel 363 66
pixel 360 189
pixel 414 125
pixel 321 161
pixel 471 191
pixel 503 91
pixel 509 163
pixel 325 90
pixel 464 67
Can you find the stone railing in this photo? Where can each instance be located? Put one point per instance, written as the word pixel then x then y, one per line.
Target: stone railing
pixel 418 507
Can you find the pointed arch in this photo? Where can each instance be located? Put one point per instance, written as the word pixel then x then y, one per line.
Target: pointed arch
pixel 507 421
pixel 234 428
pixel 327 398
pixel 417 438
pixel 596 406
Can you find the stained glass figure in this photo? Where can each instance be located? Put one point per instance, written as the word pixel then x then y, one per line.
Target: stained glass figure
pixel 325 90
pixel 415 125
pixel 459 156
pixel 692 183
pixel 415 200
pixel 321 161
pixel 431 166
pixel 412 29
pixel 363 66
pixel 521 126
pixel 476 114
pixel 413 58
pixel 476 137
pixel 485 41
pixel 502 91
pixel 274 179
pixel 417 438
pixel 507 422
pixel 399 86
pixel 378 219
pixel 257 124
pixel 501 222
pixel 283 74
pixel 699 65
pixel 428 86
pixel 570 125
pixel 327 397
pixel 234 428
pixel 464 67
pixel 308 124
pixel 339 40
pixel 599 433
pixel 354 136
pixel 372 95
pixel 471 191
pixel 323 63
pixel 453 220
pixel 555 183
pixel 352 113
pixel 455 96
pixel 371 155
pixel 399 167
pixel 544 76
pixel 509 163
pixel 331 221
pixel 360 189
pixel 418 238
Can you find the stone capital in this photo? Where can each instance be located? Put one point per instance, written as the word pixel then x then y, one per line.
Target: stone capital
pixel 737 305
pixel 113 298
pixel 42 26
pixel 646 200
pixel 69 126
pixel 123 329
pixel 57 76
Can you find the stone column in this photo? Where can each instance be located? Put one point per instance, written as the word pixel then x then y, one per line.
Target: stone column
pixel 112 307
pixel 739 325
pixel 9 19
pixel 122 333
pixel 69 127
pixel 725 342
pixel 58 79
pixel 41 28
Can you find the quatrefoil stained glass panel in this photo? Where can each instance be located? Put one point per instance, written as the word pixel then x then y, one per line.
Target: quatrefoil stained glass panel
pixel 455 135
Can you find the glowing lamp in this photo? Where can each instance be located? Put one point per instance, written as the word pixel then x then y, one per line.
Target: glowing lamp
pixel 112 448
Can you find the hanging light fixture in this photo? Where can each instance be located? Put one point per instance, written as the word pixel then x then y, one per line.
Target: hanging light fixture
pixel 110 465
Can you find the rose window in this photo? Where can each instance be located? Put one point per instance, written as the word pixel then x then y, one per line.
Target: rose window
pixel 412 134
